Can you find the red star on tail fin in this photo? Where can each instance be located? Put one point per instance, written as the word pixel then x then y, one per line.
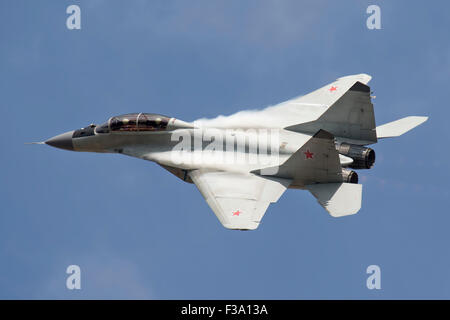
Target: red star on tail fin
pixel 309 155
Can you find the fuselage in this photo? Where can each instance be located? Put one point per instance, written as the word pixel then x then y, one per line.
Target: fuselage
pixel 180 146
pixel 178 143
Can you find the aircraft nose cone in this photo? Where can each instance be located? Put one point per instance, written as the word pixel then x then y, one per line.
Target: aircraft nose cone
pixel 62 141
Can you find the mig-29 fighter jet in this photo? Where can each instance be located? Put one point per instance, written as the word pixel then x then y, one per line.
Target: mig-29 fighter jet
pixel 314 141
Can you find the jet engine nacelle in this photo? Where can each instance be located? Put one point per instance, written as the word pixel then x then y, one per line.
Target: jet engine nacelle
pixel 363 157
pixel 349 176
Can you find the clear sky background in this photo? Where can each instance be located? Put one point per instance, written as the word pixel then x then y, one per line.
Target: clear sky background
pixel 137 231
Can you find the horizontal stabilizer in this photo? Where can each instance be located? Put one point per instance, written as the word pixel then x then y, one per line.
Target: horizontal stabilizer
pixel 339 199
pixel 399 127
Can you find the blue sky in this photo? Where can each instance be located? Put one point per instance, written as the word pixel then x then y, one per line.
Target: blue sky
pixel 135 230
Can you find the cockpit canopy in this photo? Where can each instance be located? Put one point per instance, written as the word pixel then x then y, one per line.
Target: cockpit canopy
pixel 134 122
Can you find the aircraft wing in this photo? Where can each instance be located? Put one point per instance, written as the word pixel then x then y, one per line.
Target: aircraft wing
pixel 330 93
pixel 311 106
pixel 337 102
pixel 239 200
pixel 349 110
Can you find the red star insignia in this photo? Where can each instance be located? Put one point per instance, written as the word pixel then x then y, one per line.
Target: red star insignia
pixel 333 88
pixel 309 155
pixel 236 213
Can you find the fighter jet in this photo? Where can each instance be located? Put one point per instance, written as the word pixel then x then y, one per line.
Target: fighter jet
pixel 243 162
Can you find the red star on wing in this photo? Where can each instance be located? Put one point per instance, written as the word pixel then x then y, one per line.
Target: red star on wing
pixel 309 155
pixel 333 88
pixel 236 213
